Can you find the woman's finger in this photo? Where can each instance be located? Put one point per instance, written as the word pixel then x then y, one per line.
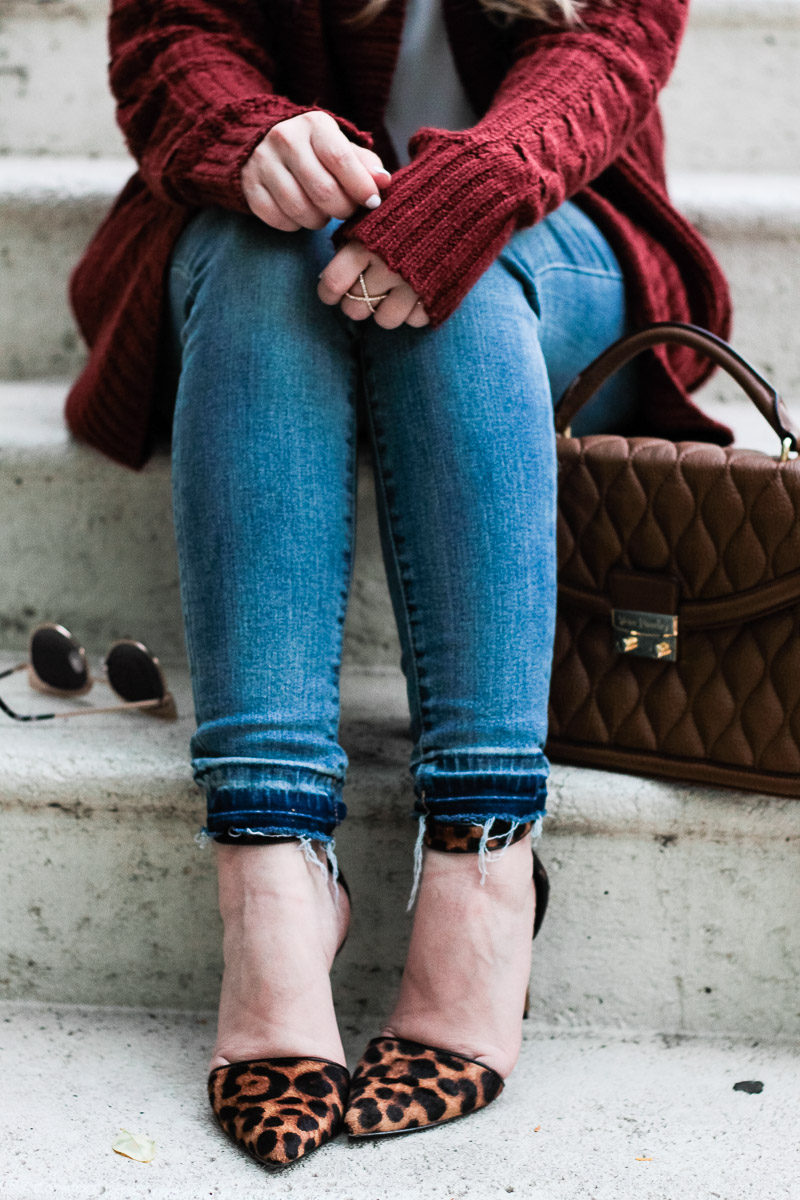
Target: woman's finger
pixel 341 271
pixel 372 162
pixel 262 204
pixel 379 281
pixel 338 154
pixel 319 185
pixel 291 197
pixel 342 275
pixel 418 316
pixel 395 310
pixel 358 309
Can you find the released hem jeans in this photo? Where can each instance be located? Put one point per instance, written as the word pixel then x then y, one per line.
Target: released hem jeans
pixel 460 422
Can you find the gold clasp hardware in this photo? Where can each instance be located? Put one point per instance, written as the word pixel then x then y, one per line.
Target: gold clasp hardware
pixel 645 634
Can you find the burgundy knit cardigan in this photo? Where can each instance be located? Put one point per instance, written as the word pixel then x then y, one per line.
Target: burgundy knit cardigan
pixel 564 113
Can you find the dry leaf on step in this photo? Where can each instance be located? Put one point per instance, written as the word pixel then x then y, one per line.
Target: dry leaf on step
pixel 134 1145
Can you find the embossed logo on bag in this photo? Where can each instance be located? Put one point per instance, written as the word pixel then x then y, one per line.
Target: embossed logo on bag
pixel 645 634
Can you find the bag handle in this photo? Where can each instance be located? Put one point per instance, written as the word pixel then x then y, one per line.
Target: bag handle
pixel 763 395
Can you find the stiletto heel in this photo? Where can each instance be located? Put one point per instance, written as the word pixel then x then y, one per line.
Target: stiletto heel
pixel 280 1109
pixel 401 1086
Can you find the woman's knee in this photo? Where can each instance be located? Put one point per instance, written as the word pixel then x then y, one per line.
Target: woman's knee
pixel 240 265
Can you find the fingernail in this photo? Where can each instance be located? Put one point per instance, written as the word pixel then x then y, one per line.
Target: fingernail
pixel 383 171
pixel 373 201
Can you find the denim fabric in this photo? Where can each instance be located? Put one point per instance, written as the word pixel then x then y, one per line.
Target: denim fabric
pixel 264 483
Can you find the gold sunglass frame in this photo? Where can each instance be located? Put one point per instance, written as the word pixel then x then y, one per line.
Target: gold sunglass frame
pixel 164 708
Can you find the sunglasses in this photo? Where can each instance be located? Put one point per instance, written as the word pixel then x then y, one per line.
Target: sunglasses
pixel 58 666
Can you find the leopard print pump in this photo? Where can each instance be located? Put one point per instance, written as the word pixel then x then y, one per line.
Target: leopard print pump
pixel 401 1085
pixel 278 1109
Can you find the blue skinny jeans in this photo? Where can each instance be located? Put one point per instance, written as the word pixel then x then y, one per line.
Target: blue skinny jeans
pixel 460 422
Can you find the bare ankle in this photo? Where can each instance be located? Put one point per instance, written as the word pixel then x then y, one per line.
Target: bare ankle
pixel 249 873
pixel 282 925
pixel 468 965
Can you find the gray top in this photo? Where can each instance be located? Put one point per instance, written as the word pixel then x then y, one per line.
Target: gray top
pixel 425 87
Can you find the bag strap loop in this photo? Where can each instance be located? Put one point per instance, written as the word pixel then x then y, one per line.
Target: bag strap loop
pixel 591 378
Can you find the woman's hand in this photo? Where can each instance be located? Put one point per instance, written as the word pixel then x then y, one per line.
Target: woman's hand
pixel 401 306
pixel 306 171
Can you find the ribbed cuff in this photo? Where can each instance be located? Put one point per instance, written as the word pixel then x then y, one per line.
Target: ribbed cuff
pixel 207 169
pixel 483 192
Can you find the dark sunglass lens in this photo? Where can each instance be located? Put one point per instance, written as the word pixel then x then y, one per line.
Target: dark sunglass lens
pixel 57 659
pixel 133 674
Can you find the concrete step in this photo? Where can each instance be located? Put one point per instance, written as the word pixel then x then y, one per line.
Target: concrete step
pixel 92 546
pixel 49 208
pixel 730 104
pixel 54 93
pixel 657 1118
pixel 673 907
pixel 752 223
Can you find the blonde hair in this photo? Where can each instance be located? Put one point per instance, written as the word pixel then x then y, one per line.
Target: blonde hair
pixel 551 11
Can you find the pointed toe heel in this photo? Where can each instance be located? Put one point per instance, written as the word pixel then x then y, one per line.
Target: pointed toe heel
pixel 401 1086
pixel 279 1109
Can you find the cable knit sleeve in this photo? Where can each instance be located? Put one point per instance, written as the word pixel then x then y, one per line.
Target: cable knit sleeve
pixel 192 81
pixel 569 104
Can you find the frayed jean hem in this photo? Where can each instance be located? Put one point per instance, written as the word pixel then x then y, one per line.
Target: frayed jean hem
pixel 253 812
pixel 476 786
pixel 477 810
pixel 227 831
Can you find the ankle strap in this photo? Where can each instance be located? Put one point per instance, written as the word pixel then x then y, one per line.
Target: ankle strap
pixel 462 838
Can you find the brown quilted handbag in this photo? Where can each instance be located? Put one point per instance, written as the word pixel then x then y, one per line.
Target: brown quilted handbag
pixel 677 648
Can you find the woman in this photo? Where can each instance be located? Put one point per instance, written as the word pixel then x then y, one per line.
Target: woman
pixel 469 280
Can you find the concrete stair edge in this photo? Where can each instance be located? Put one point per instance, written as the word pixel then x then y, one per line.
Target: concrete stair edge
pixel 34 426
pixel 736 204
pixel 750 13
pixel 155 753
pixel 52 179
pixel 151 754
pixel 752 222
pixel 725 202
